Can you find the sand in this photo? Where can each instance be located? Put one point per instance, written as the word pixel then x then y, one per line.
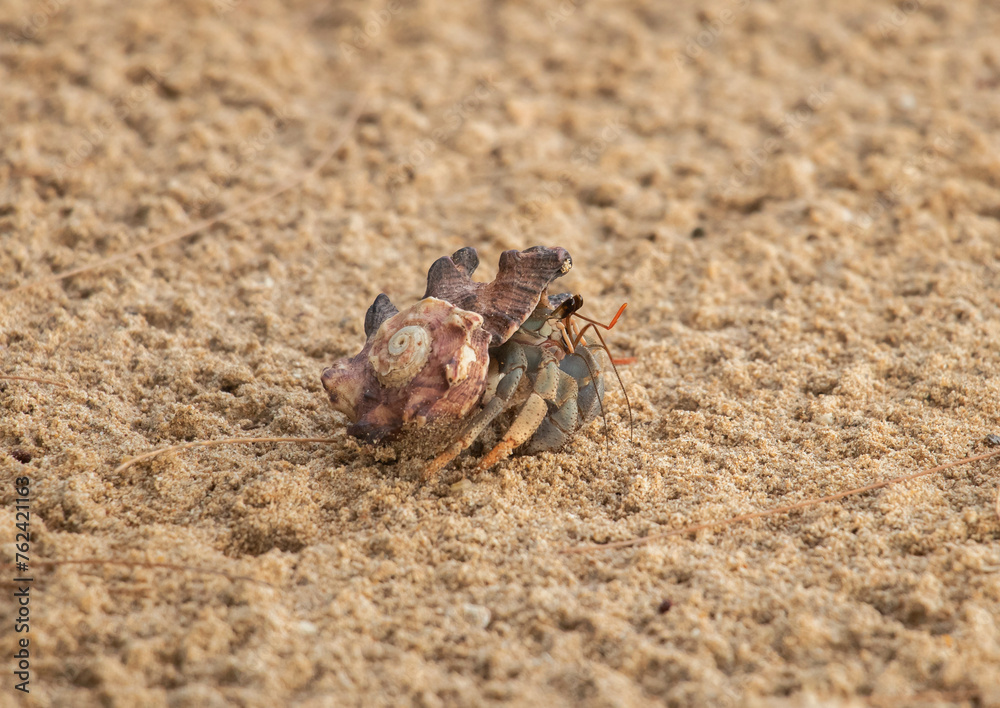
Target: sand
pixel 799 202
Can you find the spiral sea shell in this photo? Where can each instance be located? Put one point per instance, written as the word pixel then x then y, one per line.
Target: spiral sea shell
pixel 427 365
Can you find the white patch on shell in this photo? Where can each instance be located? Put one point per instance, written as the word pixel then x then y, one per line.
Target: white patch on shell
pixel 463 319
pixel 402 357
pixel 493 377
pixel 458 370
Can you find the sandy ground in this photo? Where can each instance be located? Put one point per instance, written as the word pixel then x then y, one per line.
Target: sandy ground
pixel 799 202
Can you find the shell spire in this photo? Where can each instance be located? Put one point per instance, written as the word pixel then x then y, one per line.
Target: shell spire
pixel 507 301
pixel 380 310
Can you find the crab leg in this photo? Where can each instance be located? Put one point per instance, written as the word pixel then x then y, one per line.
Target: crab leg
pixel 524 426
pixel 515 365
pixel 562 420
pixel 531 415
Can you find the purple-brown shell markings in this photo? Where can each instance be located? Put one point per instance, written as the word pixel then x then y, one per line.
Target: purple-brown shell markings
pixel 426 363
pixel 513 295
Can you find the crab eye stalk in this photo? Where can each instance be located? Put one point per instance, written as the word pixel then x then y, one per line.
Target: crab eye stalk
pixel 567 307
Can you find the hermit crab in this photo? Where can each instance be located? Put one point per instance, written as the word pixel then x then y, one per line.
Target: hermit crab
pixel 470 356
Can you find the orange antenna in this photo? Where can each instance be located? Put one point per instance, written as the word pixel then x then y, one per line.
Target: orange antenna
pixel 595 324
pixel 577 336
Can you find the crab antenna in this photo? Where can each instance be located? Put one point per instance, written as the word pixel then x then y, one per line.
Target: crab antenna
pixel 628 403
pixel 572 337
pixel 578 336
pixel 607 437
pixel 595 324
pixel 608 326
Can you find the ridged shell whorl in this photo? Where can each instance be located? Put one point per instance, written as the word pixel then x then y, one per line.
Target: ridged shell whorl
pixel 398 356
pixel 507 301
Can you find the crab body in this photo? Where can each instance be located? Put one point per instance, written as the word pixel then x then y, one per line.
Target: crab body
pixel 538 368
pixel 470 356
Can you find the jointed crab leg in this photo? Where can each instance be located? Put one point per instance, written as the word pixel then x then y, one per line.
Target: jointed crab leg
pixel 513 372
pixel 524 426
pixel 545 388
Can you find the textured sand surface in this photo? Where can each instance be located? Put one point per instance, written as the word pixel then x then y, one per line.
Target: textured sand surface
pixel 800 203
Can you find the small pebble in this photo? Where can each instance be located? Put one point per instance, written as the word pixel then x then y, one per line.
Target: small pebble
pixel 461 486
pixel 477 615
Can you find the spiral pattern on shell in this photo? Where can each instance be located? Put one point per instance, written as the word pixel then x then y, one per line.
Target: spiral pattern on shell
pixel 399 359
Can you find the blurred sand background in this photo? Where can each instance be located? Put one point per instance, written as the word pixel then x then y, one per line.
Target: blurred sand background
pixel 798 200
